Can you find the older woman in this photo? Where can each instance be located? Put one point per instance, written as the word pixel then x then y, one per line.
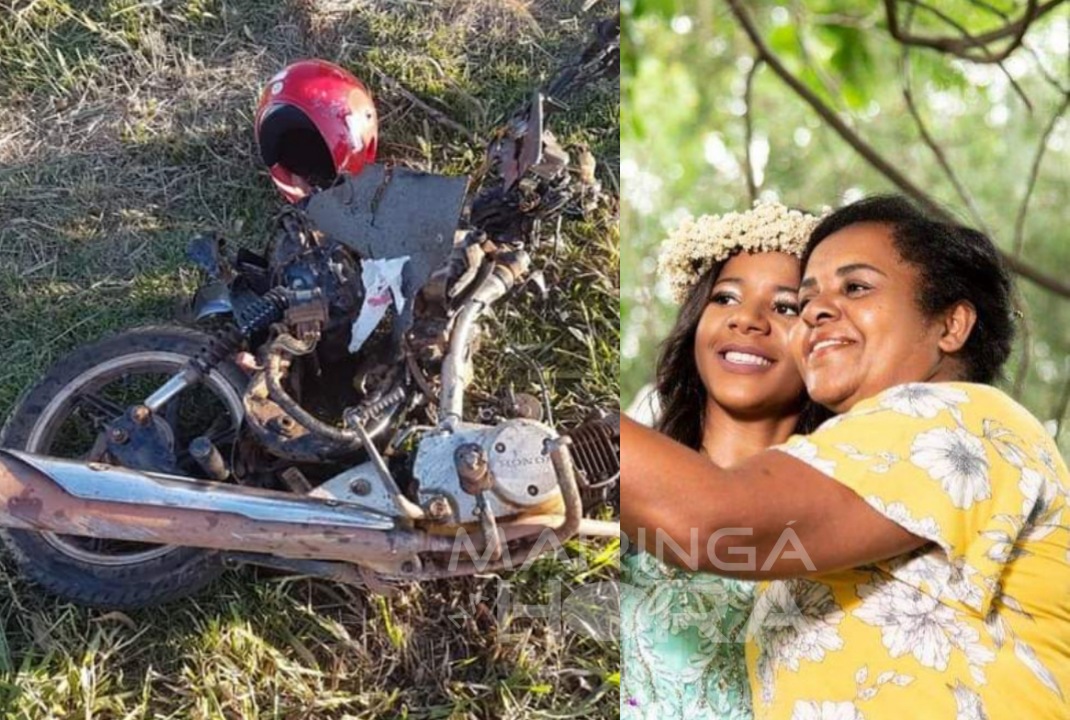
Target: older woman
pixel 917 539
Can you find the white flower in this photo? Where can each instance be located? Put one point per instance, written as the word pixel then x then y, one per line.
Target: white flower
pixel 1039 507
pixel 793 620
pixel 910 622
pixel 802 449
pixel 695 245
pixel 931 572
pixel 1028 656
pixel 914 623
pixel 898 513
pixel 810 710
pixel 957 459
pixel 922 400
pixel 1045 456
pixel 970 705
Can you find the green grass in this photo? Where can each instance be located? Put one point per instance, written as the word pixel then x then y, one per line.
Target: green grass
pixel 125 129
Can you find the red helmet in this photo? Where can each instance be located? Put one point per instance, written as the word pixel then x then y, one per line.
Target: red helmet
pixel 314 121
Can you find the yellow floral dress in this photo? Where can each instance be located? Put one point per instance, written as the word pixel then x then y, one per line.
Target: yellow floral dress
pixel 973 626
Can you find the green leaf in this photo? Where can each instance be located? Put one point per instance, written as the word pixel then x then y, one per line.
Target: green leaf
pixel 661 8
pixel 852 60
pixel 784 40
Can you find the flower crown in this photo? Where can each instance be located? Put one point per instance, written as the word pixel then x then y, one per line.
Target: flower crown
pixel 696 245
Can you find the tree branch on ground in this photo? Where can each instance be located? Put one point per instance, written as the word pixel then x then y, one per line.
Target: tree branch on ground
pixel 435 114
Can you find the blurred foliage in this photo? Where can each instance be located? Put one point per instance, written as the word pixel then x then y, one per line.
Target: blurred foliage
pixel 685 68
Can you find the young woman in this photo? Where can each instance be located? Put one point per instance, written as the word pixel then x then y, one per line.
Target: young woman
pixel 918 541
pixel 728 388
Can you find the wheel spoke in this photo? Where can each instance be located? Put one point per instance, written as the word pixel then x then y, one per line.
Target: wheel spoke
pixel 77 429
pixel 101 410
pixel 96 453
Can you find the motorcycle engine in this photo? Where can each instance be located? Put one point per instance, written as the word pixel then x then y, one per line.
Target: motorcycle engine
pixel 300 263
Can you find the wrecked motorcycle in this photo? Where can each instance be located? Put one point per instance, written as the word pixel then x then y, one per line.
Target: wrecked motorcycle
pixel 315 420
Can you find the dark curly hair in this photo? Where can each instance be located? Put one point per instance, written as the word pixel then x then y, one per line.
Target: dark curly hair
pixel 955 263
pixel 681 394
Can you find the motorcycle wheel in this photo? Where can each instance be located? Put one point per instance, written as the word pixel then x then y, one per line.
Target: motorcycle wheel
pixel 62 416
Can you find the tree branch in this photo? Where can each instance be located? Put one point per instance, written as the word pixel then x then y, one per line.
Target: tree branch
pixel 435 114
pixel 989 56
pixel 962 46
pixel 1025 46
pixel 748 119
pixel 870 155
pixel 1026 361
pixel 937 151
pixel 1060 408
pixel 1019 222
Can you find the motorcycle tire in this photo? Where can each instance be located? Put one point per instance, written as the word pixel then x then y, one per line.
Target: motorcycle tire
pixel 160 574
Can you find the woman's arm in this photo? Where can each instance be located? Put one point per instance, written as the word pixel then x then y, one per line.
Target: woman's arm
pixel 771 517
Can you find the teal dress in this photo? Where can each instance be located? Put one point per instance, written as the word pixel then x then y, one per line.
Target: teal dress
pixel 682 643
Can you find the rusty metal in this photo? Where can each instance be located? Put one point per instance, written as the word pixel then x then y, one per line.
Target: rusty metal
pixel 568 527
pixel 339 572
pixel 141 414
pixel 473 469
pixel 263 418
pixel 596 447
pixel 531 526
pixel 526 406
pixel 31 500
pixel 488 524
pixel 209 458
pixel 308 312
pixel 439 508
pixel 513 488
pixel 457 367
pixel 296 480
pixel 407 508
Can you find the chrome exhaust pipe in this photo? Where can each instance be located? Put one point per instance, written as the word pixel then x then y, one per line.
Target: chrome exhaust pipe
pixel 47 494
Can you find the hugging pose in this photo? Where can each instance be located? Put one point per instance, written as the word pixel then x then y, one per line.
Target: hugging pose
pixel 838 516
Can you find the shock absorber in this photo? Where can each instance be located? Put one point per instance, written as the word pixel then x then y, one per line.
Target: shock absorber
pixel 260 315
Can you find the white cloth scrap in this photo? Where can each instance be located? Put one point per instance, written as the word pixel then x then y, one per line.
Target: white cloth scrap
pixel 382 285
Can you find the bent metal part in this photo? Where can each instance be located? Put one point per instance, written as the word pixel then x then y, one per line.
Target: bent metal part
pixel 45 494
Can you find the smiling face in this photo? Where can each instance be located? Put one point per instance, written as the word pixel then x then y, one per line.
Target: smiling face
pixel 862 330
pixel 741 344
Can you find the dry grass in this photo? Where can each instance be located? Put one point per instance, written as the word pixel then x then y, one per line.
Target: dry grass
pixel 125 129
